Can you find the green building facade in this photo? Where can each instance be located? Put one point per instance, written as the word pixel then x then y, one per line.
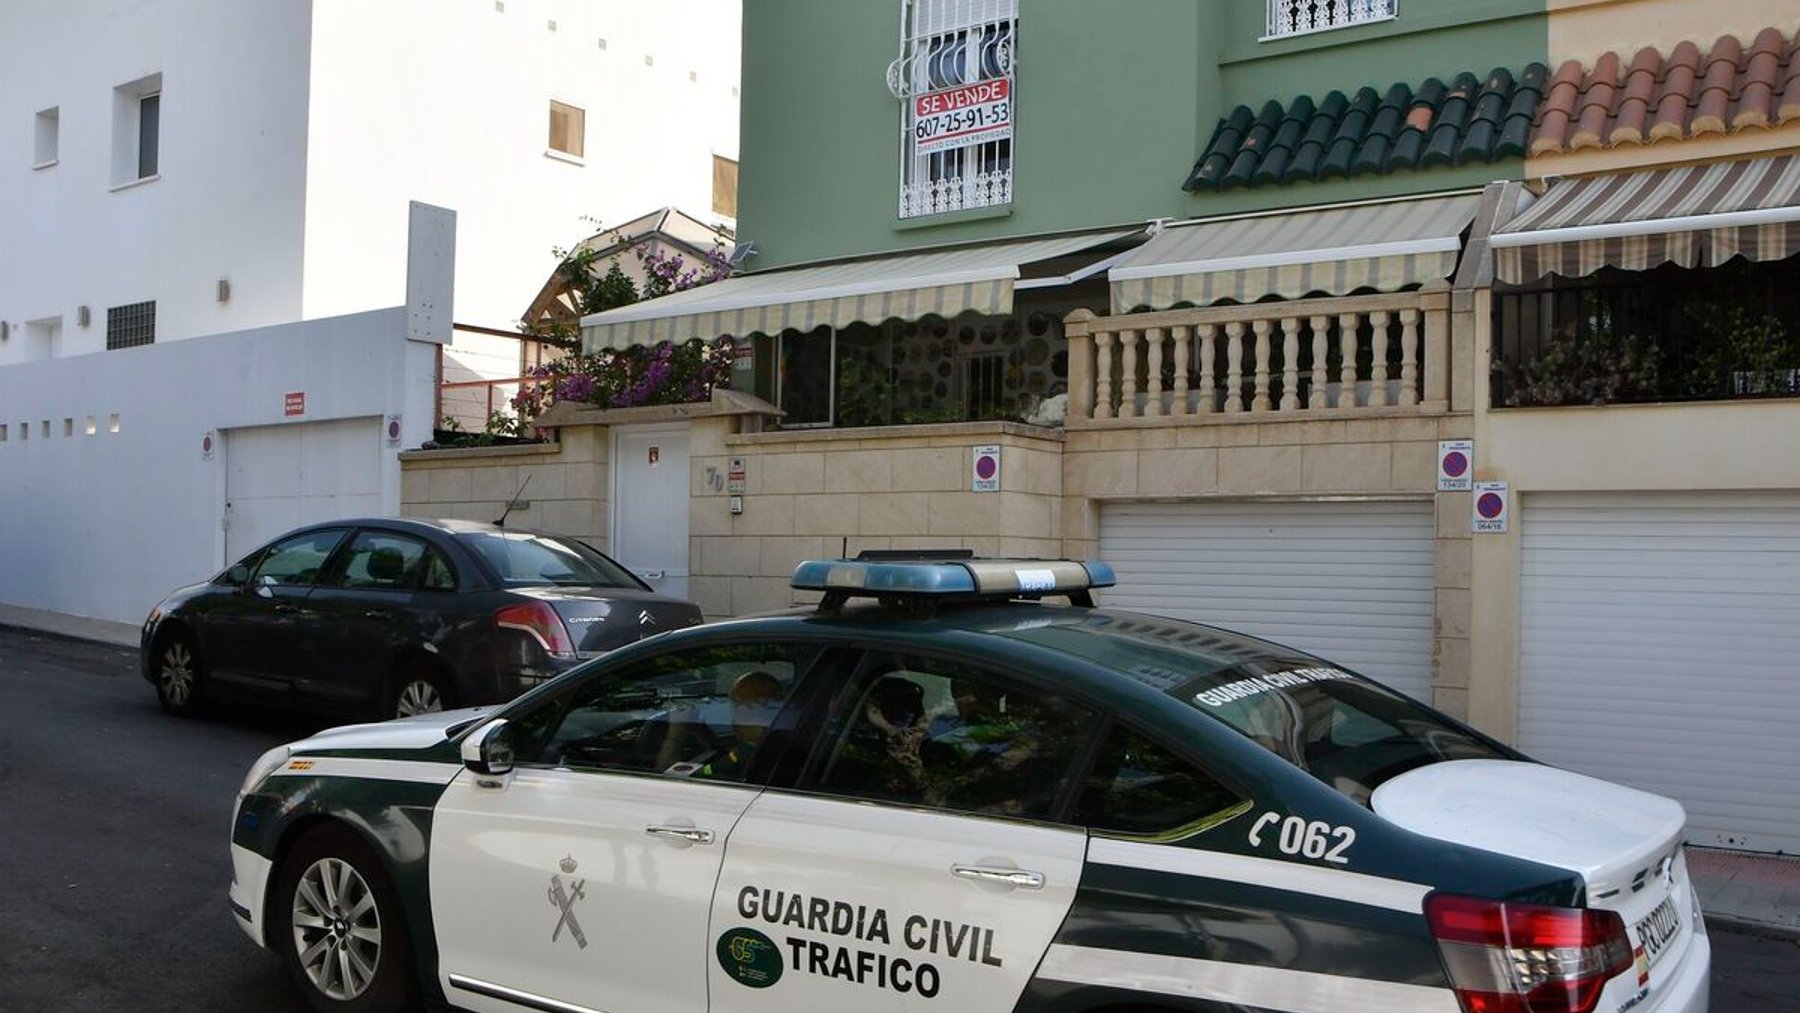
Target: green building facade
pixel 1112 107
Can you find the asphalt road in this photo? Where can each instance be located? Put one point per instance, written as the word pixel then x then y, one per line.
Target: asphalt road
pixel 113 862
pixel 113 834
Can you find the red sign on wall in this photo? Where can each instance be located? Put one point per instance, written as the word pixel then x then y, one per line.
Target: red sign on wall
pixel 294 403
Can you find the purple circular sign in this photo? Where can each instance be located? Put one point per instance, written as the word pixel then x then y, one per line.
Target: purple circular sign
pixel 1456 464
pixel 986 466
pixel 393 429
pixel 206 443
pixel 1490 505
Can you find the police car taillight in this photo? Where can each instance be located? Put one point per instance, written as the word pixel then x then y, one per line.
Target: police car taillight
pixel 1526 958
pixel 541 622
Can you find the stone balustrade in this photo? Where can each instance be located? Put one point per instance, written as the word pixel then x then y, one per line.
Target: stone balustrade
pixel 1335 357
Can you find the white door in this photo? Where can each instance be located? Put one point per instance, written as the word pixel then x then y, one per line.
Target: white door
pixel 587 879
pixel 650 505
pixel 915 870
pixel 281 477
pixel 1658 638
pixel 883 921
pixel 1352 581
pixel 558 887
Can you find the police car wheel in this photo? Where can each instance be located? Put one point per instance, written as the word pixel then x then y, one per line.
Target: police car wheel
pixel 338 926
pixel 178 675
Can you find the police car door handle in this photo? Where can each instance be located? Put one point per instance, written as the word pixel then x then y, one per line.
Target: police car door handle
pixel 686 834
pixel 1019 878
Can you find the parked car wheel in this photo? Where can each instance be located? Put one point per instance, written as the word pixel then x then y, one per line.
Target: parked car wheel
pixel 417 690
pixel 339 928
pixel 179 675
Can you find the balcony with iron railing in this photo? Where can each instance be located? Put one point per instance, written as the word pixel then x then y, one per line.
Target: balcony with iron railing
pixel 1303 17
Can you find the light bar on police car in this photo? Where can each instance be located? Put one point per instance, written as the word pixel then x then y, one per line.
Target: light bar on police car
pixel 858 577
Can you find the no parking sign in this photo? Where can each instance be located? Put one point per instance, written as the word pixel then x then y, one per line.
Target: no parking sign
pixel 986 470
pixel 1493 505
pixel 1456 465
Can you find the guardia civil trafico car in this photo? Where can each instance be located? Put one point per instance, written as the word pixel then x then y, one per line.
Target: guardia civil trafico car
pixel 956 784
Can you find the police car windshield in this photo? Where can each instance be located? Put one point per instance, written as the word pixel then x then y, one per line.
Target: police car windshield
pixel 523 558
pixel 1349 732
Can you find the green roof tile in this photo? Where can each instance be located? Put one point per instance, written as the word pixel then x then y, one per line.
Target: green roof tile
pixel 1468 119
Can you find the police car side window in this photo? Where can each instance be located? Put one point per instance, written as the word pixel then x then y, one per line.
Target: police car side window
pixel 1138 788
pixel 702 714
pixel 925 732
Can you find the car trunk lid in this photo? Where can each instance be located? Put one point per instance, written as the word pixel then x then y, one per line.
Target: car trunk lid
pixel 1624 843
pixel 601 619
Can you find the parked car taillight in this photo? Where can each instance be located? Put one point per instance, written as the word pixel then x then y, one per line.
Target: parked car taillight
pixel 1526 958
pixel 542 622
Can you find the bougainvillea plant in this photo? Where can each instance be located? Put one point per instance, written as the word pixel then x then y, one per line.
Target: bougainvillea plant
pixel 666 373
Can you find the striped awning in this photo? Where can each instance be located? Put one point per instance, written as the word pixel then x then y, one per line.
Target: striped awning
pixel 908 287
pixel 1693 216
pixel 1385 246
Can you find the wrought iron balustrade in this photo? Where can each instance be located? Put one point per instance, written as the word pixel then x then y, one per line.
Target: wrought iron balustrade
pixel 1300 17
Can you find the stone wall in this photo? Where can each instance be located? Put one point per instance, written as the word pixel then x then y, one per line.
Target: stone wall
pixel 564 484
pixel 825 493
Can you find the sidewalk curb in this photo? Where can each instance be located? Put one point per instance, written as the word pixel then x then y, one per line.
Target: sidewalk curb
pixel 1751 927
pixel 70 638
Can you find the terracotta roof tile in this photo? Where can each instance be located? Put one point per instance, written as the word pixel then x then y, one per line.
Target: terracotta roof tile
pixel 1789 105
pixel 1730 87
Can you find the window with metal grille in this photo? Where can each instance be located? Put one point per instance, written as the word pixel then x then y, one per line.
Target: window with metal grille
pixel 1300 17
pixel 131 325
pixel 955 78
pixel 984 385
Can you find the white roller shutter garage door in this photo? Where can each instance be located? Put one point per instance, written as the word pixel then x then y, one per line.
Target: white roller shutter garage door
pixel 1349 581
pixel 281 477
pixel 1659 646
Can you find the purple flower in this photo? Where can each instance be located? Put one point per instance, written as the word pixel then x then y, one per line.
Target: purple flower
pixel 577 387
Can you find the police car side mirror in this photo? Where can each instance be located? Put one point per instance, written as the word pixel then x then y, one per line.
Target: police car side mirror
pixel 238 575
pixel 488 753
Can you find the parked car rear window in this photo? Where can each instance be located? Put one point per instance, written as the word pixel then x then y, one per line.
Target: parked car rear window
pixel 1348 731
pixel 526 559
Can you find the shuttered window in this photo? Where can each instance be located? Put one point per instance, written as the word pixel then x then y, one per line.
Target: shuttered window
pixel 568 129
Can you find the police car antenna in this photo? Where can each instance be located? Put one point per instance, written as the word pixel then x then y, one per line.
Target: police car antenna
pixel 510 504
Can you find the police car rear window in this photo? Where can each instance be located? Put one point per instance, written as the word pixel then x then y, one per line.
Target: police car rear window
pixel 1349 732
pixel 1345 730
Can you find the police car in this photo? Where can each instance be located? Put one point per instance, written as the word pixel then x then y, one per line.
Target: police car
pixel 939 790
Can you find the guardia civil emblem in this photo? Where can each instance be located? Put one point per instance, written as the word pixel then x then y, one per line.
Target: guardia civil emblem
pixel 563 898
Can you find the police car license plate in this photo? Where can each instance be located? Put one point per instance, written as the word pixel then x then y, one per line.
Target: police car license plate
pixel 1656 931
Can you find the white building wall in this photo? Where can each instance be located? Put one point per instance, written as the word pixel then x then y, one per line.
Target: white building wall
pixel 229 200
pixel 295 132
pixel 447 101
pixel 104 523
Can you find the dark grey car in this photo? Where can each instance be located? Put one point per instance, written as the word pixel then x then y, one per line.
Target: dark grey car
pixel 387 617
